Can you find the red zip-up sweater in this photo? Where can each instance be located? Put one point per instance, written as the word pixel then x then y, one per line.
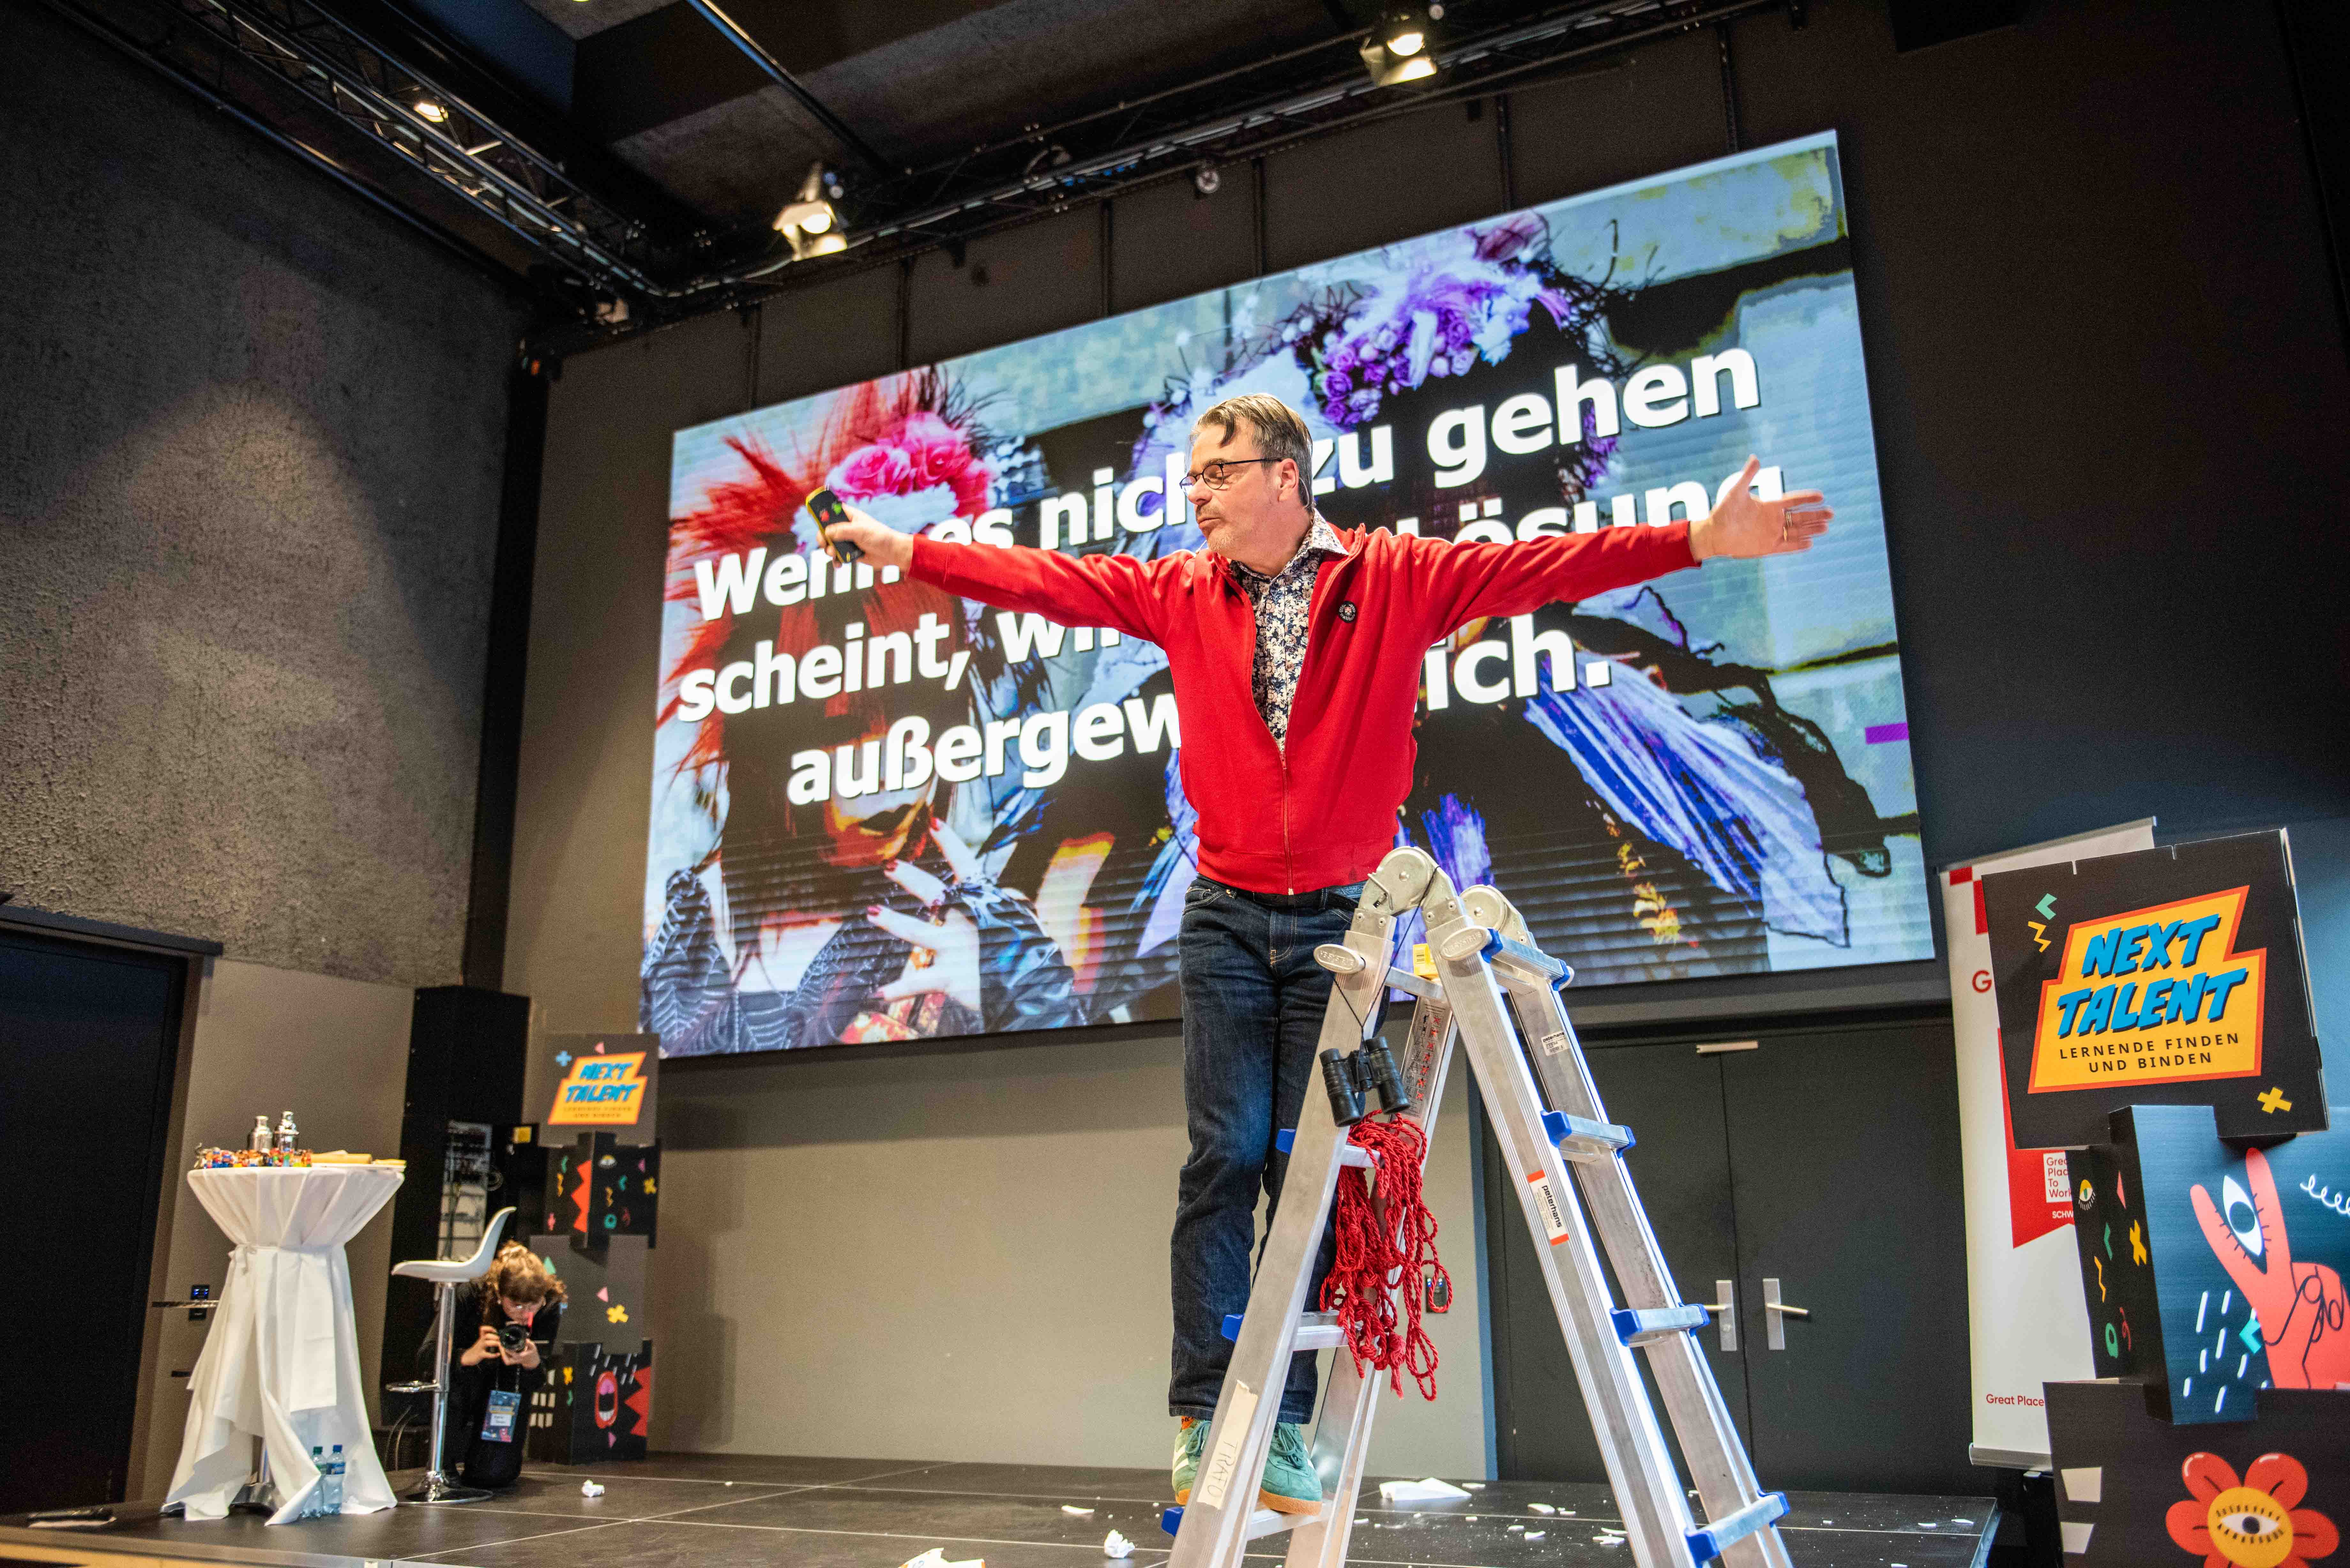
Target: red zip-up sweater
pixel 1320 811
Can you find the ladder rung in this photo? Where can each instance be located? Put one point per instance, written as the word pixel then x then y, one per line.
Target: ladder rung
pixel 1580 1140
pixel 1708 1542
pixel 1265 1522
pixel 1638 1326
pixel 1316 1331
pixel 1412 984
pixel 1349 1153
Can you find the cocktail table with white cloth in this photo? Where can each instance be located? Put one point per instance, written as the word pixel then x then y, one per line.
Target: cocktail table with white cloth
pixel 283 1360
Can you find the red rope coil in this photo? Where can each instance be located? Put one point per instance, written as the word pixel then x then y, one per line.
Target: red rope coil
pixel 1387 1255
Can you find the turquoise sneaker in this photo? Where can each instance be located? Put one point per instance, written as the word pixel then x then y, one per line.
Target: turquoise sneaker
pixel 1290 1485
pixel 1190 1439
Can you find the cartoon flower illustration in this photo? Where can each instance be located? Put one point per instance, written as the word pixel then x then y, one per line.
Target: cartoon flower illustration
pixel 2250 1523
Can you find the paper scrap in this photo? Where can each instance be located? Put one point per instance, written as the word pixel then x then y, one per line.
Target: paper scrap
pixel 1537 1534
pixel 589 1488
pixel 1542 1508
pixel 936 1557
pixel 1073 1512
pixel 1116 1545
pixel 1426 1490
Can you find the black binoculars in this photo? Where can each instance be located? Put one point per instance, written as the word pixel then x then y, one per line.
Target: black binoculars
pixel 1353 1080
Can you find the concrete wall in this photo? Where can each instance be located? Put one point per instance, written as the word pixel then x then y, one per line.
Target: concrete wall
pixel 2109 384
pixel 333 1051
pixel 249 494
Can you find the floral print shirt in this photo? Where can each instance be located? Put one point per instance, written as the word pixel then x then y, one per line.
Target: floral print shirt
pixel 1281 601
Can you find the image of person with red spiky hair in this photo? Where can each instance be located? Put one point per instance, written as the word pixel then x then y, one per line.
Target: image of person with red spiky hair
pixel 856 913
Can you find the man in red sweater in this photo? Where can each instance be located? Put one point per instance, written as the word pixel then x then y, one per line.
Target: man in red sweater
pixel 1296 651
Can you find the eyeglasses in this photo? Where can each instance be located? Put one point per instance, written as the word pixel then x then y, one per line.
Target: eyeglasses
pixel 1220 474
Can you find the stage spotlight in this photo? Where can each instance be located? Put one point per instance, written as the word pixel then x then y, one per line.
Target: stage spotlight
pixel 810 225
pixel 1397 51
pixel 1207 179
pixel 426 108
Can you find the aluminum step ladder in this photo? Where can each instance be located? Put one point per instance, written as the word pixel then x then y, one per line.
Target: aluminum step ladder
pixel 1547 1116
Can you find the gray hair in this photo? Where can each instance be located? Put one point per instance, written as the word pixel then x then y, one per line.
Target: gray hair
pixel 1280 432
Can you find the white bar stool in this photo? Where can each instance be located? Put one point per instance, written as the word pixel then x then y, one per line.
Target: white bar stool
pixel 447 1273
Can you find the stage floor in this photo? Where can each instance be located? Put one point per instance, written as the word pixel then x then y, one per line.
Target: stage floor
pixel 716 1510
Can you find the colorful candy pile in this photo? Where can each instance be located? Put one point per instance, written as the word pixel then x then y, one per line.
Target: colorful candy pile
pixel 240 1159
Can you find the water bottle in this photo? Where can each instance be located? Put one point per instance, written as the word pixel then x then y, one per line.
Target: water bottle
pixel 259 1140
pixel 286 1137
pixel 334 1489
pixel 318 1493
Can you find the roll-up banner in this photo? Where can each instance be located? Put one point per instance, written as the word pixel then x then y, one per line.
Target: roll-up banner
pixel 2026 1321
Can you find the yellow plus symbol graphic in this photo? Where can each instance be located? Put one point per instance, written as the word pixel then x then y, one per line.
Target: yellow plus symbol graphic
pixel 2273 1100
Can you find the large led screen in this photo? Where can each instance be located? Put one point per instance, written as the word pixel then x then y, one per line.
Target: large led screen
pixel 1706 775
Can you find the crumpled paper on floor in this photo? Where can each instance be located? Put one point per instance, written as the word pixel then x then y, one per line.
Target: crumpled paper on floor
pixel 936 1557
pixel 1116 1545
pixel 1426 1490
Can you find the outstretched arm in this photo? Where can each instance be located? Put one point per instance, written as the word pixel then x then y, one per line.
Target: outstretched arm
pixel 1111 590
pixel 1465 582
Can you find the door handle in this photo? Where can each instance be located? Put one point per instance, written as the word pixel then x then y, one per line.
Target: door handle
pixel 1725 1311
pixel 1776 1312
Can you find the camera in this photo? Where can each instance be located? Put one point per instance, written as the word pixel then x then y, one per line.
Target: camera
pixel 512 1337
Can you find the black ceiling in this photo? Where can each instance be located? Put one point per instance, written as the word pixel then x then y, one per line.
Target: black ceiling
pixel 638 149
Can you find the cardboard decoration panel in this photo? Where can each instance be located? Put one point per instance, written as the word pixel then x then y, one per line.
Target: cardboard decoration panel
pixel 604 1287
pixel 2213 1273
pixel 592 1404
pixel 2135 1491
pixel 2167 976
pixel 600 1188
pixel 590 1081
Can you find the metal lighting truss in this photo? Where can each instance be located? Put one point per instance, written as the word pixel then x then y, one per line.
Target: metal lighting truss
pixel 1230 116
pixel 1201 123
pixel 487 166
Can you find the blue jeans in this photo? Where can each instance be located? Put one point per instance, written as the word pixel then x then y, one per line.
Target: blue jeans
pixel 1252 1004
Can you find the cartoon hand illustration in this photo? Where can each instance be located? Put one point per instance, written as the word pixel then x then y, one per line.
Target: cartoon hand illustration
pixel 2305 1315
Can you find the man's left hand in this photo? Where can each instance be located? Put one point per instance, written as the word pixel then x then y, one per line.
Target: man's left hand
pixel 1742 524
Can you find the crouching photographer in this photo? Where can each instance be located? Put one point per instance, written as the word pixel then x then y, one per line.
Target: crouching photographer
pixel 503 1331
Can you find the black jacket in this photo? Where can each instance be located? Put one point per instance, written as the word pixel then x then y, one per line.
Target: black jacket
pixel 469 1386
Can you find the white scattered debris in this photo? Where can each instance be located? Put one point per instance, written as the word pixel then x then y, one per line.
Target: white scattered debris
pixel 1474 1486
pixel 1537 1534
pixel 1116 1545
pixel 1927 1525
pixel 1542 1508
pixel 1073 1512
pixel 1608 1540
pixel 1968 1523
pixel 1426 1489
pixel 936 1557
pixel 1517 1527
pixel 589 1488
pixel 1362 1519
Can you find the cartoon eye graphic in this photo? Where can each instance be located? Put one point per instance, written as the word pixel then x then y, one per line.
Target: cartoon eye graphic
pixel 2251 1526
pixel 2242 1219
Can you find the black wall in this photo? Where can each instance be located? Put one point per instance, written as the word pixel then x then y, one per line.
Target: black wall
pixel 250 459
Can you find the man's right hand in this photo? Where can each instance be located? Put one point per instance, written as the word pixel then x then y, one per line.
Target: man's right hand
pixel 883 546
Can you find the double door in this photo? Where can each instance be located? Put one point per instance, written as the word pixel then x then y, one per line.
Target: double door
pixel 1811 1169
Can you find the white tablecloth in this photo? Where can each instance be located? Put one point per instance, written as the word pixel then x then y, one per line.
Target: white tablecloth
pixel 282 1363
